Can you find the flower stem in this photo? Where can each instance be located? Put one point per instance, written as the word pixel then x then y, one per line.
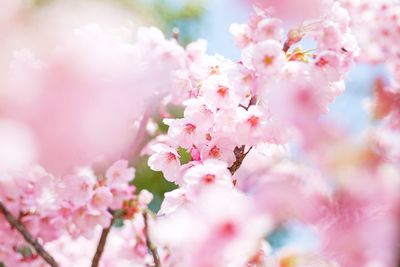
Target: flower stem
pixel 102 244
pixel 151 247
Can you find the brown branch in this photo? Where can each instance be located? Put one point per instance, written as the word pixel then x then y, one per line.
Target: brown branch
pixel 286 47
pixel 240 155
pixel 102 244
pixel 151 247
pixel 17 224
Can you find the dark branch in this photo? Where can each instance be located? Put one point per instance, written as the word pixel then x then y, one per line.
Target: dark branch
pixel 102 244
pixel 151 247
pixel 17 224
pixel 286 46
pixel 240 155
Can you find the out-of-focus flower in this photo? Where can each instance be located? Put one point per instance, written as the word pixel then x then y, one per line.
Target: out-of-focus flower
pixel 227 232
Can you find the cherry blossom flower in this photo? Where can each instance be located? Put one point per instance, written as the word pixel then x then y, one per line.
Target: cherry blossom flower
pixel 210 172
pixel 119 173
pixel 219 92
pixel 220 149
pixel 268 58
pixel 165 159
pixel 225 227
pixel 250 128
pixel 242 34
pixel 269 29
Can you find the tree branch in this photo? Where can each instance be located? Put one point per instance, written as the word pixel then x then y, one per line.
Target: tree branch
pixel 286 46
pixel 151 247
pixel 102 244
pixel 17 224
pixel 240 156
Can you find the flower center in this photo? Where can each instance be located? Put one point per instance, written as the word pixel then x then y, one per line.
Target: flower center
pixel 209 178
pixel 190 128
pixel 215 152
pixel 322 62
pixel 268 60
pixel 254 121
pixel 228 229
pixel 288 261
pixel 222 90
pixel 171 156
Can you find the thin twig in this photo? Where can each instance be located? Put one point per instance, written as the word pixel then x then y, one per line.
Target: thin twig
pixel 151 247
pixel 17 224
pixel 102 244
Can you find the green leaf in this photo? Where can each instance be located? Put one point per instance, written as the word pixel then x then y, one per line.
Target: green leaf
pixel 153 182
pixel 185 155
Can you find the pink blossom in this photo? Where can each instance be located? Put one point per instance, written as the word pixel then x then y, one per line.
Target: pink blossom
pixel 268 58
pixel 200 112
pixel 242 34
pixel 219 92
pixel 101 198
pixel 269 29
pixel 330 37
pixel 165 159
pixel 224 123
pixel 225 225
pixel 220 149
pixel 144 198
pixel 196 50
pixel 351 218
pixel 184 132
pixel 210 172
pixel 119 174
pixel 207 66
pixel 173 200
pixel 243 79
pixel 296 11
pixel 250 128
pixel 298 97
pixel 329 62
pixel 76 189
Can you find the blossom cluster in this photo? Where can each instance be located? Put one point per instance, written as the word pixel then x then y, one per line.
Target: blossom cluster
pixel 73 205
pixel 69 113
pixel 266 97
pixel 378 41
pixel 262 155
pixel 273 96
